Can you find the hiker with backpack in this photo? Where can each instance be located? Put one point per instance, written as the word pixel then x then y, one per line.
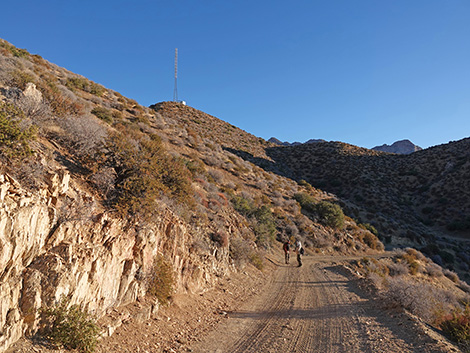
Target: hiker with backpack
pixel 299 250
pixel 286 248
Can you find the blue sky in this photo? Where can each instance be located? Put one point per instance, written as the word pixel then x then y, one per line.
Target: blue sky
pixel 366 72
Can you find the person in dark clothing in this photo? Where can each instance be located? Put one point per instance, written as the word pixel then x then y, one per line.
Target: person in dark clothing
pixel 286 248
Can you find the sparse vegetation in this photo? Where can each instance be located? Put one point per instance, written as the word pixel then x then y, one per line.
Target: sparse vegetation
pixel 85 85
pixel 161 280
pixel 457 326
pixel 262 219
pixel 144 171
pixel 14 140
pixel 103 114
pixel 70 326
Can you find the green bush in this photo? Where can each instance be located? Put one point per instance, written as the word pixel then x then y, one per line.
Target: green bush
pixel 330 214
pixel 306 201
pixel 162 280
pixel 70 326
pixel 14 141
pixel 265 227
pixel 242 205
pixel 103 114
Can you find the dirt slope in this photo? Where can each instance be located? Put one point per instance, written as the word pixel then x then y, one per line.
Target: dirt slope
pixel 318 308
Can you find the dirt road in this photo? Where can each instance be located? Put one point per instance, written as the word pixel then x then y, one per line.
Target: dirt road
pixel 317 308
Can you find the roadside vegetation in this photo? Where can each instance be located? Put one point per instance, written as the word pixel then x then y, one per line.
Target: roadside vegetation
pixel 69 326
pixel 414 282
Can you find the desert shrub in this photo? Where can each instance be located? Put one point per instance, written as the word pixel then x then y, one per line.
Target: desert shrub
pixel 451 275
pixel 423 300
pixel 434 270
pixel 85 85
pixel 370 228
pixel 374 266
pixel 14 140
pixel 30 173
pixel 377 280
pixel 104 180
pixel 59 102
pixel 196 167
pixel 331 214
pixel 70 326
pixel 216 175
pixel 161 280
pixel 243 205
pixel 20 78
pixel 84 136
pixel 457 326
pixel 372 241
pixel 33 108
pixel 257 260
pixel 17 52
pixel 306 201
pixel 262 219
pixel 240 251
pixel 145 172
pixel 305 184
pixel 414 267
pixel 103 114
pixel 398 269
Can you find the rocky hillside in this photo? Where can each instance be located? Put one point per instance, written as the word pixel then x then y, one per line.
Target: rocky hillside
pixel 417 199
pixel 400 147
pixel 104 202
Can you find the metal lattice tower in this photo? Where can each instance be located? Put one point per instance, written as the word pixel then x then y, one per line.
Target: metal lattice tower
pixel 175 91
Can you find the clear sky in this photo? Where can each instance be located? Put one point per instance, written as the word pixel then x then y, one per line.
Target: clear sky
pixel 366 72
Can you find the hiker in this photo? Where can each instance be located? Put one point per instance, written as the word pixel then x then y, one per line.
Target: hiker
pixel 286 248
pixel 299 251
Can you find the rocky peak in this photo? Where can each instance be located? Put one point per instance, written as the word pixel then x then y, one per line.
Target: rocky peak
pixel 399 147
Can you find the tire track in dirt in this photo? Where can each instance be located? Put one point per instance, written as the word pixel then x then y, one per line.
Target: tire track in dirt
pixel 315 308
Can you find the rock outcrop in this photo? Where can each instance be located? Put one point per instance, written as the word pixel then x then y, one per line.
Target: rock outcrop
pixel 98 261
pixel 399 147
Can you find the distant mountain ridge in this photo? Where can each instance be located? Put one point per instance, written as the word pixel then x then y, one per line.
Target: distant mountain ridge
pixel 399 147
pixel 296 143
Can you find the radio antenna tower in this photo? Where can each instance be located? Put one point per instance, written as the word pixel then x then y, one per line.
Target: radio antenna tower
pixel 175 91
